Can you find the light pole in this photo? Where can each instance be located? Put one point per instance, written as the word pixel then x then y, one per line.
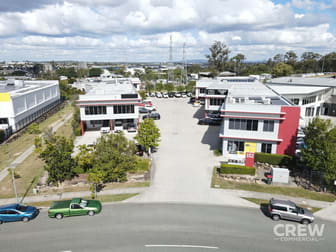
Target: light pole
pixel 13 177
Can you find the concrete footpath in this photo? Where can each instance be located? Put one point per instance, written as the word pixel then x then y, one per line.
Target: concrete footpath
pixel 69 195
pixel 55 126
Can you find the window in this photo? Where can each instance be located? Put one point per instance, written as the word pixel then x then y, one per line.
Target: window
pixel 309 111
pixel 309 99
pixel 281 208
pixel 202 90
pixel 76 206
pixel 95 110
pixel 216 101
pixel 243 124
pixel 268 125
pixel 123 109
pixel 234 146
pixel 266 148
pixel 295 101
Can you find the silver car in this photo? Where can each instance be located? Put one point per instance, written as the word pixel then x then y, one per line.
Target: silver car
pixel 287 210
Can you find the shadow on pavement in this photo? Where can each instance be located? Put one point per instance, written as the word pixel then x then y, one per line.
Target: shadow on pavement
pixel 264 209
pixel 211 137
pixel 199 113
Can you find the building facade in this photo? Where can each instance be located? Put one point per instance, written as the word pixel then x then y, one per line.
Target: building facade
pixel 22 102
pixel 106 104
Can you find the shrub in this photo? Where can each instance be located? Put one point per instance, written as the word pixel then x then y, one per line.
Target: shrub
pixel 142 165
pixel 217 152
pixel 236 169
pixel 34 129
pixel 78 131
pixel 2 136
pixel 16 175
pixel 274 159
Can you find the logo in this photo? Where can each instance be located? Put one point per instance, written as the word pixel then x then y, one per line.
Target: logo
pixel 299 232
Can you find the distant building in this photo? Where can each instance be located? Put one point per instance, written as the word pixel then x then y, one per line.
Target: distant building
pixel 22 102
pixel 108 103
pixel 82 65
pixel 47 67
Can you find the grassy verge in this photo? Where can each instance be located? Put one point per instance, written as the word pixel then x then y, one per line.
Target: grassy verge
pixel 282 190
pixel 263 201
pixel 102 198
pixel 19 145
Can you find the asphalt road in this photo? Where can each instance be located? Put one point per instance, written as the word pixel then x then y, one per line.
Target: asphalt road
pixel 158 227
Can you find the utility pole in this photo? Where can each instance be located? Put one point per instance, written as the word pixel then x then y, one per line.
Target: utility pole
pixel 13 177
pixel 184 65
pixel 170 64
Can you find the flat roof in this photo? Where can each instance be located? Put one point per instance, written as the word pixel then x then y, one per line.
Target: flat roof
pixel 302 81
pixel 291 90
pixel 20 87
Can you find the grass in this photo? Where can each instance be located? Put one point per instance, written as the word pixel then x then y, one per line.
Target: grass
pixel 102 198
pixel 19 145
pixel 282 190
pixel 263 201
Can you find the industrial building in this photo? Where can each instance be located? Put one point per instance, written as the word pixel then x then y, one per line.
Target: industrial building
pixel 108 103
pixel 255 118
pixel 316 96
pixel 22 102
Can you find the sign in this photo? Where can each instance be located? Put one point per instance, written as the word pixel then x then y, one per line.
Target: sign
pixel 249 159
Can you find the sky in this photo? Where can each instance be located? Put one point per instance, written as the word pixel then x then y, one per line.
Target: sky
pixel 139 30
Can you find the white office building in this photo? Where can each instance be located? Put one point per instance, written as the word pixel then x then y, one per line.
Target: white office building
pixel 108 103
pixel 22 102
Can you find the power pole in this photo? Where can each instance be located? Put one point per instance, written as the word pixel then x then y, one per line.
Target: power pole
pixel 13 177
pixel 170 64
pixel 185 67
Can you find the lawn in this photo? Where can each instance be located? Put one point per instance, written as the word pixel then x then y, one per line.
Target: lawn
pixel 19 145
pixel 282 190
pixel 263 201
pixel 102 198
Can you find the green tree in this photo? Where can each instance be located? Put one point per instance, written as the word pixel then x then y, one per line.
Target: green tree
pixel 218 57
pixel 180 88
pixel 238 60
pixel 278 58
pixel 75 123
pixel 319 154
pixel 190 86
pixel 194 68
pixel 290 58
pixel 170 87
pixel 159 87
pixel 149 87
pixel 95 72
pixel 84 158
pixel 113 157
pixel 282 69
pixel 148 134
pixel 56 153
pixel 143 94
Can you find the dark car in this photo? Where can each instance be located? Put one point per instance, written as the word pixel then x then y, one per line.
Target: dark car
pixel 171 94
pixel 17 212
pixel 192 100
pixel 214 114
pixel 210 121
pixel 155 116
pixel 131 127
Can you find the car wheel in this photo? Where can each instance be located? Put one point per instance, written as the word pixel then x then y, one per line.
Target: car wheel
pixel 305 222
pixel 275 217
pixel 91 213
pixel 59 216
pixel 25 219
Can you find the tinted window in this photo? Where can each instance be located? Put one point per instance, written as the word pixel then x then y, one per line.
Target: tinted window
pixel 281 208
pixel 21 208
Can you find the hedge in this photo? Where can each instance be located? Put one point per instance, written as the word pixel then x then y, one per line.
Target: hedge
pixel 236 169
pixel 274 159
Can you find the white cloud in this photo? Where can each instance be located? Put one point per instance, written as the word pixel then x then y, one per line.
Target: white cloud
pixel 303 4
pixel 298 16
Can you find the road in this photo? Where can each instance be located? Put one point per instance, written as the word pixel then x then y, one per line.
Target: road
pixel 130 227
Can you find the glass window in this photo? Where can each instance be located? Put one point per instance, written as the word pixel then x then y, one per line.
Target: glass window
pixel 234 146
pixel 268 125
pixel 95 110
pixel 266 148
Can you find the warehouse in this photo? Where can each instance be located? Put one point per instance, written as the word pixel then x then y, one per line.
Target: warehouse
pixel 22 102
pixel 108 103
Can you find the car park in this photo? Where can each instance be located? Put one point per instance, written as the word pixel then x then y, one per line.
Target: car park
pixel 288 210
pixel 210 121
pixel 131 127
pixel 74 207
pixel 17 212
pixel 155 116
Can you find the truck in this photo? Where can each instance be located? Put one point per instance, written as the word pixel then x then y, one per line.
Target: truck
pixel 74 207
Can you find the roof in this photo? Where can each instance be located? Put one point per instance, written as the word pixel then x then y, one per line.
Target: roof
pixel 288 89
pixel 10 206
pixel 317 81
pixel 20 87
pixel 283 202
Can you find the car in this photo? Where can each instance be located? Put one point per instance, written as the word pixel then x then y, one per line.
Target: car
pixel 171 94
pixel 144 110
pixel 158 95
pixel 210 121
pixel 214 114
pixel 131 127
pixel 165 95
pixel 118 126
pixel 196 104
pixel 152 95
pixel 17 212
pixel 147 103
pixel 105 130
pixel 201 102
pixel 191 99
pixel 189 94
pixel 184 95
pixel 288 210
pixel 155 116
pixel 177 95
pixel 74 207
pixel 150 108
pixel 140 150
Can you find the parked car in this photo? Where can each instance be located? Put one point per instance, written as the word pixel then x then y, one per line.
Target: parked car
pixel 17 212
pixel 189 94
pixel 214 114
pixel 158 95
pixel 152 95
pixel 144 110
pixel 191 99
pixel 140 150
pixel 118 126
pixel 155 116
pixel 177 95
pixel 150 108
pixel 147 103
pixel 105 130
pixel 184 95
pixel 171 94
pixel 286 209
pixel 196 104
pixel 165 95
pixel 131 127
pixel 210 121
pixel 74 207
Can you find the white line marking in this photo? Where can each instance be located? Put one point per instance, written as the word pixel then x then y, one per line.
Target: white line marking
pixel 180 246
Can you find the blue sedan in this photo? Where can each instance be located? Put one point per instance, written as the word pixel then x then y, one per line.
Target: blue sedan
pixel 17 212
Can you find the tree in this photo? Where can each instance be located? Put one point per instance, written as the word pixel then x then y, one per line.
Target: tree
pixel 282 69
pixel 190 86
pixel 194 68
pixel 159 86
pixel 319 154
pixel 310 62
pixel 149 87
pixel 291 58
pixel 56 153
pixel 180 88
pixel 84 158
pixel 170 87
pixel 218 57
pixel 143 94
pixel 148 134
pixel 113 157
pixel 95 72
pixel 278 58
pixel 237 61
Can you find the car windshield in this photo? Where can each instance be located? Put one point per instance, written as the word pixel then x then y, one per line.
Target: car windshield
pixel 21 208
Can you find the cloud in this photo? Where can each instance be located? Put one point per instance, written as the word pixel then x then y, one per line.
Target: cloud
pixel 303 4
pixel 24 5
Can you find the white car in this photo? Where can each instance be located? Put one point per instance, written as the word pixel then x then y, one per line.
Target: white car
pixel 184 95
pixel 165 95
pixel 105 130
pixel 118 126
pixel 158 95
pixel 150 108
pixel 196 104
